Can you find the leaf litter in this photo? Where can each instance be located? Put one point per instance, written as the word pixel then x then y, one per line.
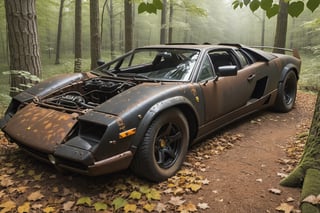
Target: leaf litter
pixel 27 184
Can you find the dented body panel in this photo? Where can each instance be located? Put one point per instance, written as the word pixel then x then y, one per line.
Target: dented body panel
pixel 92 123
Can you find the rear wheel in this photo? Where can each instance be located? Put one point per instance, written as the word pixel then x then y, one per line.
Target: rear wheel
pixel 164 147
pixel 287 92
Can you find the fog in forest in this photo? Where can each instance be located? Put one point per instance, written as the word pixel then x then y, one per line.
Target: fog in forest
pixel 213 21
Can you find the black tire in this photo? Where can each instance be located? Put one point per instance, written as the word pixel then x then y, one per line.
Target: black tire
pixel 164 147
pixel 287 92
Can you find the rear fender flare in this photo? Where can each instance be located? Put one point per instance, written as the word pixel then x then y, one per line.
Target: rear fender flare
pixel 154 111
pixel 286 69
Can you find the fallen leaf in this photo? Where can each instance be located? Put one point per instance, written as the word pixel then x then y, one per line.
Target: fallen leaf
pixel 149 207
pixel 99 206
pixel 55 190
pixel 275 191
pixel 312 199
pixel 118 203
pixel 205 182
pixel 284 207
pixel 144 189
pixel 6 182
pixel 153 195
pixel 7 206
pixel 203 206
pixel 259 180
pixel 84 201
pixel 135 195
pixel 68 205
pixel 48 209
pixel 282 175
pixel 130 208
pixel 37 206
pixel 161 207
pixel 35 196
pixel 176 201
pixel 24 208
pixel 189 207
pixel 194 187
pixel 290 199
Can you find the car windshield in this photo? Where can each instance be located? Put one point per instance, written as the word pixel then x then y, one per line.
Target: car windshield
pixel 155 64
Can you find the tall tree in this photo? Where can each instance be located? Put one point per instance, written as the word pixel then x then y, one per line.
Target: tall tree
pixel 78 36
pixel 163 30
pixel 170 33
pixel 95 43
pixel 128 17
pixel 281 29
pixel 112 30
pixel 23 40
pixel 59 31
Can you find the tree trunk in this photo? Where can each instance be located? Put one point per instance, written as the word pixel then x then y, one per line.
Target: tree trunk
pixel 128 17
pixel 23 40
pixel 59 33
pixel 163 30
pixel 112 37
pixel 308 169
pixel 281 29
pixel 263 27
pixel 94 33
pixel 78 37
pixel 170 22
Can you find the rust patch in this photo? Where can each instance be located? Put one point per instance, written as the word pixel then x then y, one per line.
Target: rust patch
pixel 40 128
pixel 121 124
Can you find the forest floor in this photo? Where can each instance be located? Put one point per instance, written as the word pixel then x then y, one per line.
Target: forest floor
pixel 237 169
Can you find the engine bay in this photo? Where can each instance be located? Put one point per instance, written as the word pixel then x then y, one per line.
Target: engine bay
pixel 87 94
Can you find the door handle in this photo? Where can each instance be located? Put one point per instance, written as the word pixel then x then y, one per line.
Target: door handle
pixel 251 77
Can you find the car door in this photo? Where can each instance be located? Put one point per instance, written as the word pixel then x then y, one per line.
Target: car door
pixel 224 94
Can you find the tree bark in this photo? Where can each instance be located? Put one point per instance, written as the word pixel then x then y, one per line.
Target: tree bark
pixel 59 33
pixel 281 29
pixel 163 31
pixel 23 40
pixel 128 17
pixel 78 37
pixel 170 22
pixel 308 169
pixel 112 31
pixel 95 43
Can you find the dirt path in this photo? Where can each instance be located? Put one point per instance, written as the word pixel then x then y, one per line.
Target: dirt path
pixel 236 168
pixel 241 177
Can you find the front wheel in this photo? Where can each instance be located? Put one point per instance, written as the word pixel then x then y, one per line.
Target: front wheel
pixel 287 92
pixel 164 147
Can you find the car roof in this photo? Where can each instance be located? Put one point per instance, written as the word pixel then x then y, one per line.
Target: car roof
pixel 195 46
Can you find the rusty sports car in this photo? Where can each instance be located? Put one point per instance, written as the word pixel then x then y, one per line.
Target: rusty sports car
pixel 144 109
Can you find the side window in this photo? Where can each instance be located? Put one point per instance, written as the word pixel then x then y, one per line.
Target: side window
pixel 206 70
pixel 243 59
pixel 221 58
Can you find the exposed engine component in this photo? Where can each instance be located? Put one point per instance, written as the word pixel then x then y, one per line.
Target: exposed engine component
pixel 89 95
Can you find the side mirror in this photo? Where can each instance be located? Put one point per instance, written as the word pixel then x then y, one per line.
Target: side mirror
pixel 230 70
pixel 100 62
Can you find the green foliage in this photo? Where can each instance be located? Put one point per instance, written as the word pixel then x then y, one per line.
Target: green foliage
pixel 25 76
pixel 313 4
pixel 272 7
pixel 296 8
pixel 150 7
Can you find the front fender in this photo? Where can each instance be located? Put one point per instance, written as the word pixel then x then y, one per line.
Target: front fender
pixel 155 110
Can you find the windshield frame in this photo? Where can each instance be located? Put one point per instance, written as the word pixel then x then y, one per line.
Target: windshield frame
pixel 116 67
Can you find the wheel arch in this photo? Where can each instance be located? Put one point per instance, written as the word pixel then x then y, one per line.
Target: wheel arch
pixel 181 103
pixel 288 68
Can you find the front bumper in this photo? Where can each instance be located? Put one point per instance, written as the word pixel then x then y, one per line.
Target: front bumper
pixel 109 165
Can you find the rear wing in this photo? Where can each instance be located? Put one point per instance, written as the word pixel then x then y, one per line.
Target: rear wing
pixel 294 52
